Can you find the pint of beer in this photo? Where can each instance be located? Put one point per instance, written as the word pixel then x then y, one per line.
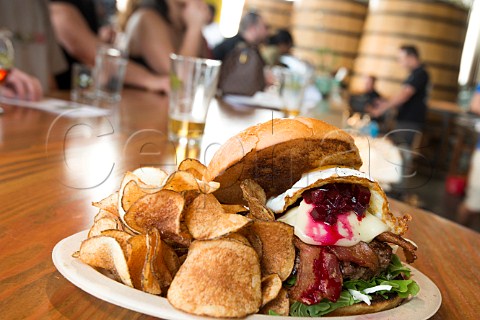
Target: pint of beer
pixel 193 85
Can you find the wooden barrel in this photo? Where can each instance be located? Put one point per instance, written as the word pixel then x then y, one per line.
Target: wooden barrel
pixel 327 32
pixel 436 28
pixel 276 13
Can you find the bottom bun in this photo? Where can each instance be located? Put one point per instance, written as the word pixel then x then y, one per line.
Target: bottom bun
pixel 363 308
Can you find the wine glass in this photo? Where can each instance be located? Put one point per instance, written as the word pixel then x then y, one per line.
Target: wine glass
pixel 6 57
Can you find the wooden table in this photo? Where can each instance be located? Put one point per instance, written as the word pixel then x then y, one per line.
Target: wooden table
pixel 52 169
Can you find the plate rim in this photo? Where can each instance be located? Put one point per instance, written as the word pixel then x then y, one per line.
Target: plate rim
pixel 104 288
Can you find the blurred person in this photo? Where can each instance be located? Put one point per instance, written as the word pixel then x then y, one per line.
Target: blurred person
pixel 36 50
pixel 471 203
pixel 76 26
pixel 211 31
pixel 410 101
pixel 159 28
pixel 252 31
pixel 277 45
pixel 20 85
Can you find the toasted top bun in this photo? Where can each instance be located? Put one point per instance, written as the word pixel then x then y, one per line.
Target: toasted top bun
pixel 276 153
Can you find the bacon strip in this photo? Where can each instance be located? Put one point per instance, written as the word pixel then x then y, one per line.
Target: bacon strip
pixel 361 254
pixel 408 248
pixel 318 276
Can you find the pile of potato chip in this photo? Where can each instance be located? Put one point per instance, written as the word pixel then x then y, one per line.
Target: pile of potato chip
pixel 168 235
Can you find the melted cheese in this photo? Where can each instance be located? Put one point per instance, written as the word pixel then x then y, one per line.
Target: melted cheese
pixel 348 230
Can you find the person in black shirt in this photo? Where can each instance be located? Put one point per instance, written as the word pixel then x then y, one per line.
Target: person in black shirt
pixel 410 100
pixel 252 31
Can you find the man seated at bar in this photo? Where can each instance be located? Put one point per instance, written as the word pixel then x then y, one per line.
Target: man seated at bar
pixel 253 31
pixel 410 101
pixel 76 26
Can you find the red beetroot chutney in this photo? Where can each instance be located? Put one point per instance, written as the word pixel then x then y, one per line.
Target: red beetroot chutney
pixel 334 199
pixel 328 279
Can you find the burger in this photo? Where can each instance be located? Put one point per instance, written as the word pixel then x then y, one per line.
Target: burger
pixel 345 235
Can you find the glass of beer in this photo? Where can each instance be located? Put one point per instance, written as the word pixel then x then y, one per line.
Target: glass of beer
pixel 193 84
pixel 292 86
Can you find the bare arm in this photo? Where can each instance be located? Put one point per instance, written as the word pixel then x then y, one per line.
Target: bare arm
pixel 150 36
pixel 475 103
pixel 75 36
pixel 73 32
pixel 396 101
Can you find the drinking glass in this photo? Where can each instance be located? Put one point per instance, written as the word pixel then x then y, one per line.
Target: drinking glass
pixel 193 85
pixel 292 86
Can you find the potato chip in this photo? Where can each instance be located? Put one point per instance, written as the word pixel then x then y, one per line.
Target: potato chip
pixel 131 193
pixel 136 259
pixel 280 305
pixel 170 258
pixel 193 166
pixel 256 199
pixel 271 286
pixel 278 255
pixel 104 224
pixel 233 208
pixel 109 203
pixel 106 253
pixel 254 190
pixel 122 238
pixel 161 210
pixel 238 237
pixel 129 176
pixel 253 239
pixel 105 214
pixel 150 282
pixel 153 177
pixel 205 218
pixel 180 181
pixel 220 278
pixel 208 187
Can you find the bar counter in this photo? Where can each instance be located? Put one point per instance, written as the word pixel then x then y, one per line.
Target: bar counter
pixel 53 167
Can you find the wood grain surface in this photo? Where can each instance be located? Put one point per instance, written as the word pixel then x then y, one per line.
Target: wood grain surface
pixel 52 169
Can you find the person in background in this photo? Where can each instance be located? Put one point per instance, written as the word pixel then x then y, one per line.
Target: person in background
pixel 253 31
pixel 76 26
pixel 471 203
pixel 211 31
pixel 20 85
pixel 410 101
pixel 162 27
pixel 278 45
pixel 36 50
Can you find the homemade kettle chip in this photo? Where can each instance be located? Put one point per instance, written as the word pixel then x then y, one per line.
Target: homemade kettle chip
pixel 280 305
pixel 131 193
pixel 219 278
pixel 256 200
pixel 278 252
pixel 161 210
pixel 102 224
pixel 109 204
pixel 153 175
pixel 106 253
pixel 205 218
pixel 271 286
pixel 193 166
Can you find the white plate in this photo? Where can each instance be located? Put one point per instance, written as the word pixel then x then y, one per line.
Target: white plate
pixel 423 306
